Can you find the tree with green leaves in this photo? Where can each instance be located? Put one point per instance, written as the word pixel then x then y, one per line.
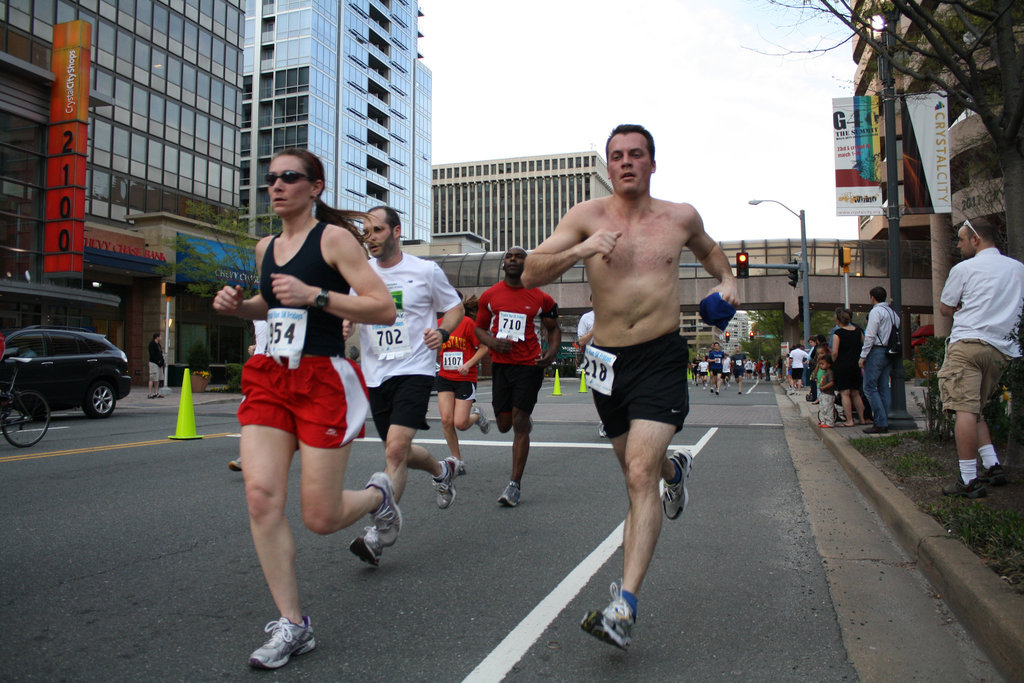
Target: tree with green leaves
pixel 973 50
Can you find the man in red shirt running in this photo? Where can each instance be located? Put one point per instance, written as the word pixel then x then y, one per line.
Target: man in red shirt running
pixel 505 325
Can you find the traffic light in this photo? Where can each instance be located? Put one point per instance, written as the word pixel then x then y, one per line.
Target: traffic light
pixel 727 337
pixel 845 258
pixel 742 264
pixel 751 334
pixel 794 274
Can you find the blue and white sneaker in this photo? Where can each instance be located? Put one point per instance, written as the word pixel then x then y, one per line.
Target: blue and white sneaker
pixel 445 486
pixel 510 496
pixel 674 496
pixel 286 639
pixel 388 517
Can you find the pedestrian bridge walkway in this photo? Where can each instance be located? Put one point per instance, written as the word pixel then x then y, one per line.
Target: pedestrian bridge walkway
pixel 764 289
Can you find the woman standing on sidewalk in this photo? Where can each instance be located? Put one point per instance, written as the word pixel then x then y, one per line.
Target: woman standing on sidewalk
pixel 847 341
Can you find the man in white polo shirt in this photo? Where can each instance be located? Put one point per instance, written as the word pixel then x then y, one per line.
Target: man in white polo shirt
pixel 984 294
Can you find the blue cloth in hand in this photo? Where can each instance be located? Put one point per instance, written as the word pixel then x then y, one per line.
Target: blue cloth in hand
pixel 716 311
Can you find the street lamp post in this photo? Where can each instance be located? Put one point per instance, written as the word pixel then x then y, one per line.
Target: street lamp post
pixel 898 416
pixel 804 270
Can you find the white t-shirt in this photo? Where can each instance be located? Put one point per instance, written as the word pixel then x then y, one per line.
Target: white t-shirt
pixel 991 288
pixel 586 324
pixel 726 363
pixel 422 293
pixel 702 367
pixel 797 358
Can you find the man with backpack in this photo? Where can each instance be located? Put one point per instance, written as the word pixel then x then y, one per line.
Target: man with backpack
pixel 876 360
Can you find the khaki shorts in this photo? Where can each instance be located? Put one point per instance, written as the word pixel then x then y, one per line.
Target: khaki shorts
pixel 970 375
pixel 154 372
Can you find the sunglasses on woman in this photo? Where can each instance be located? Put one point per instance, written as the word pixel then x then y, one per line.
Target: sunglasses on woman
pixel 288 177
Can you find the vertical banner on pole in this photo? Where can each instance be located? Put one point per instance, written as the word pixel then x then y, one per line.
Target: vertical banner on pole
pixel 858 150
pixel 926 181
pixel 66 150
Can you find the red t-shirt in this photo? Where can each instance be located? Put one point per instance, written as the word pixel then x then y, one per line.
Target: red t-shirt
pixel 519 306
pixel 462 341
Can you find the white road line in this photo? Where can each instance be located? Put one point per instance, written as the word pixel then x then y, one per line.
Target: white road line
pixel 756 382
pixel 510 650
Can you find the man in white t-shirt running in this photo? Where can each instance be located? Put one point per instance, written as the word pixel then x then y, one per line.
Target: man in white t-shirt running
pixel 399 362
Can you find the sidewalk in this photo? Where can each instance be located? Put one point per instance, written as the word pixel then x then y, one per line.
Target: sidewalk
pixel 990 610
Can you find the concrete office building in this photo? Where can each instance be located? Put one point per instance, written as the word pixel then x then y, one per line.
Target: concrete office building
pixel 344 80
pixel 155 130
pixel 516 201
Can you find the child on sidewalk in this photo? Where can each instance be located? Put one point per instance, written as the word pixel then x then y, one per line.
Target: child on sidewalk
pixel 826 393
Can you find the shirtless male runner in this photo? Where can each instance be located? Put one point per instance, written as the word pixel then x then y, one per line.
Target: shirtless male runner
pixel 630 244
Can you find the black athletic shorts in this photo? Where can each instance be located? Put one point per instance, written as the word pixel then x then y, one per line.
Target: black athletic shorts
pixel 464 391
pixel 402 401
pixel 649 384
pixel 515 386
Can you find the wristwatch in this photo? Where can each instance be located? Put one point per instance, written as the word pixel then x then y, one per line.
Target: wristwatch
pixel 444 334
pixel 322 299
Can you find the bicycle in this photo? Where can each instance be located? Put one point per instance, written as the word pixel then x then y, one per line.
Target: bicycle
pixel 24 414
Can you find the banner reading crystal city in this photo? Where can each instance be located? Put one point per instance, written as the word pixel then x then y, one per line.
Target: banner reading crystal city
pixel 858 148
pixel 64 235
pixel 926 185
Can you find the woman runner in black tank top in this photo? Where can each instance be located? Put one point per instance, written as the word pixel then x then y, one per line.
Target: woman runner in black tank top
pixel 316 407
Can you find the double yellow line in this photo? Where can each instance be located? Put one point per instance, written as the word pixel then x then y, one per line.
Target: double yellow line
pixel 97 449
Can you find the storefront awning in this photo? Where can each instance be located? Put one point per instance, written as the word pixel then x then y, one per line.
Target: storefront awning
pixel 42 291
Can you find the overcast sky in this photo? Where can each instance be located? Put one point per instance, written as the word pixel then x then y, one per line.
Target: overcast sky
pixel 730 122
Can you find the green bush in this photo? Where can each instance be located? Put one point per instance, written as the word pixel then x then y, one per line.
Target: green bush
pixel 233 375
pixel 198 357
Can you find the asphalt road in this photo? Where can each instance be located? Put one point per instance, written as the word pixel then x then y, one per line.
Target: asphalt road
pixel 127 556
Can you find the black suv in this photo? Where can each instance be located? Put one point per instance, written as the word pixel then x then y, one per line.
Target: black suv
pixel 71 367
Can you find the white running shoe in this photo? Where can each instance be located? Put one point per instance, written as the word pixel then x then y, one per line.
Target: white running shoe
pixel 483 423
pixel 286 639
pixel 674 496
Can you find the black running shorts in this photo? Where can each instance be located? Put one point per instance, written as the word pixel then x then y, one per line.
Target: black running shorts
pixel 401 401
pixel 464 391
pixel 650 384
pixel 515 386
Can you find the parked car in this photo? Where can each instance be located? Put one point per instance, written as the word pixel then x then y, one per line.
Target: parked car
pixel 71 367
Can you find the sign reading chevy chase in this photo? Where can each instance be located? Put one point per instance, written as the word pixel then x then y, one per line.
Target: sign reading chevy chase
pixel 124 245
pixel 64 237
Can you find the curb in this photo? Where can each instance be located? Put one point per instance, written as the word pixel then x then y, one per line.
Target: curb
pixel 991 611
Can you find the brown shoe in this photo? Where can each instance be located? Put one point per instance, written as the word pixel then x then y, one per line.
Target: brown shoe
pixel 875 429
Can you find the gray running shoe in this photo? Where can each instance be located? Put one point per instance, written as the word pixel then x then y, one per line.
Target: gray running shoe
pixel 462 468
pixel 367 547
pixel 613 626
pixel 483 423
pixel 286 639
pixel 446 486
pixel 388 517
pixel 972 489
pixel 995 475
pixel 510 496
pixel 674 496
pixel 235 465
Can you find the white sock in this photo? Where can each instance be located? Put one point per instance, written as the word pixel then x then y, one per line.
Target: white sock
pixel 988 456
pixel 444 471
pixel 968 470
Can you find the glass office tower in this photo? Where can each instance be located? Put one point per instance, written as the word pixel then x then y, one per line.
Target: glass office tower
pixel 345 81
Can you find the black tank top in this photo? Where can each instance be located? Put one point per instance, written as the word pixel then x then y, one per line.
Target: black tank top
pixel 323 331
